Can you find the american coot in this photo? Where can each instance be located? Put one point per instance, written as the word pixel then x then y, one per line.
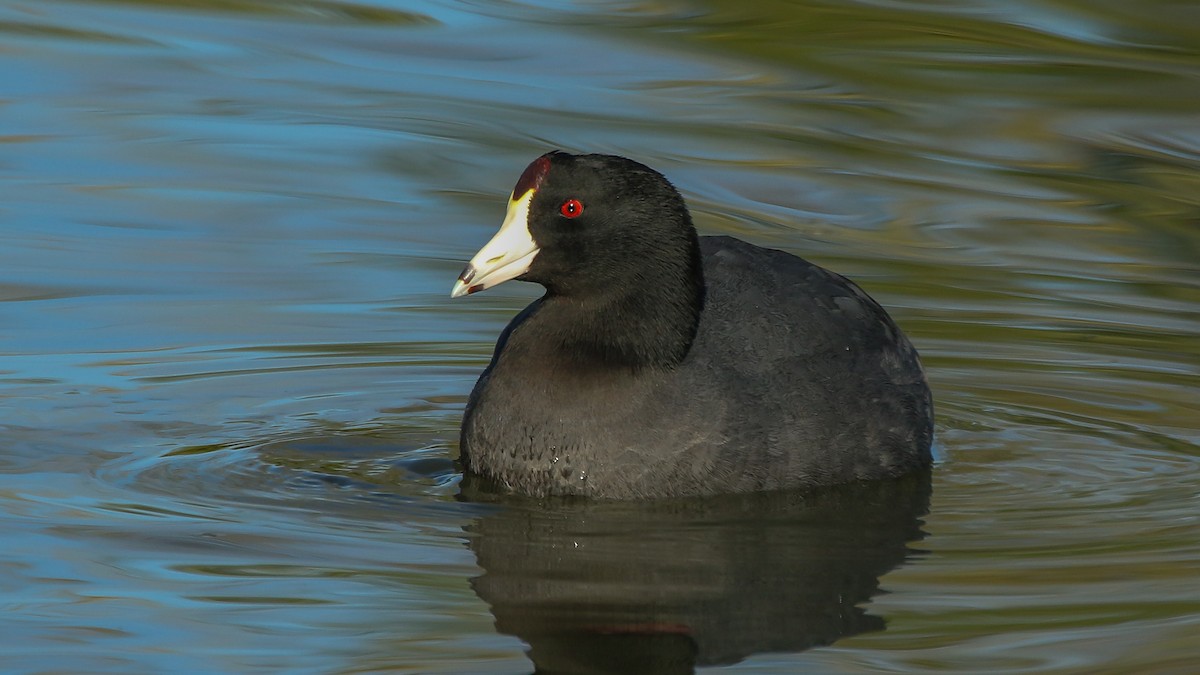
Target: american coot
pixel 662 364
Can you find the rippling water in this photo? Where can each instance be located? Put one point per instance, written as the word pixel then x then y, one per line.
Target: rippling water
pixel 231 377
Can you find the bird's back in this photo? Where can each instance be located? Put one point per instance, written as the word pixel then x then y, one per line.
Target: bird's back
pixel 815 382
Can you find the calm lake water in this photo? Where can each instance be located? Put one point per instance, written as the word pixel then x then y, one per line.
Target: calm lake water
pixel 231 376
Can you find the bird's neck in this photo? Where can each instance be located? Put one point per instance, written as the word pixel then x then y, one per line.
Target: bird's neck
pixel 650 324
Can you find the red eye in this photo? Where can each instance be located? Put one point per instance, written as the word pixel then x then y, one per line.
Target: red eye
pixel 572 208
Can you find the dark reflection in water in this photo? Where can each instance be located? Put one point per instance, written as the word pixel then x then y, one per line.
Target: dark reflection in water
pixel 663 587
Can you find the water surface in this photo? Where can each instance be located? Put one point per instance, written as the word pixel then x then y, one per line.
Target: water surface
pixel 231 376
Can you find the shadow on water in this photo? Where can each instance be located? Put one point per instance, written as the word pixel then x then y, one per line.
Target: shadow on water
pixel 664 587
pixel 588 586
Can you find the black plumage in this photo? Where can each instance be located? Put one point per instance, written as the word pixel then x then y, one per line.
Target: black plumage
pixel 659 363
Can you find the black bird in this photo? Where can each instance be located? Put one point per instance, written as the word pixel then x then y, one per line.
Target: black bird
pixel 663 364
